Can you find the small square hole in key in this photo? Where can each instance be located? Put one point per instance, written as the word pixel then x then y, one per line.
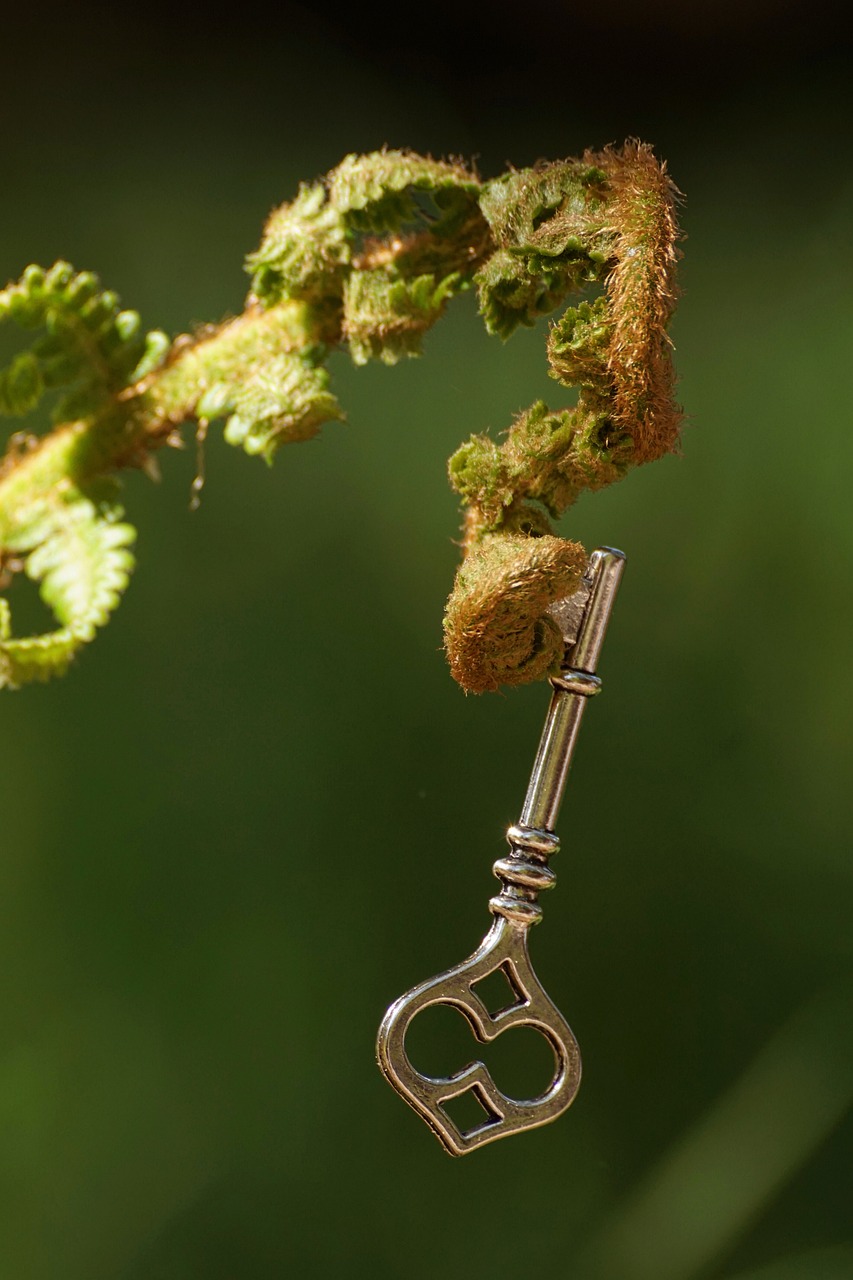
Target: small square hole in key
pixel 469 1112
pixel 500 991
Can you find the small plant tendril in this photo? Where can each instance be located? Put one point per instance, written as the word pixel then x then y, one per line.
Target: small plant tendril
pixel 367 259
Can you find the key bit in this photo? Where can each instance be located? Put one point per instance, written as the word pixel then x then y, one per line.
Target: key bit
pixel 524 873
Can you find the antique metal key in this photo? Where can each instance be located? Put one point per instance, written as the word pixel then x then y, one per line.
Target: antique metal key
pixel 524 873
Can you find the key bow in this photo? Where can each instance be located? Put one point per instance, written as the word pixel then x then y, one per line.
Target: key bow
pixel 504 947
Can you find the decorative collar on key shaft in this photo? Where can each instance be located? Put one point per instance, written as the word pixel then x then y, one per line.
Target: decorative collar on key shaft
pixel 523 873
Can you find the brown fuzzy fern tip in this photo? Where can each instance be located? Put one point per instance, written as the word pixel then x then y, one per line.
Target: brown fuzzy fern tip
pixel 642 293
pixel 605 224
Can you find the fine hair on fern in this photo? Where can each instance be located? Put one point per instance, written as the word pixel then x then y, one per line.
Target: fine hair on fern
pixel 367 259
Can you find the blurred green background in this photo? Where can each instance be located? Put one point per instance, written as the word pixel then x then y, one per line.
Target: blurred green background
pixel 258 809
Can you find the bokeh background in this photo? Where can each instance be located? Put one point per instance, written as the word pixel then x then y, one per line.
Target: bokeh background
pixel 258 809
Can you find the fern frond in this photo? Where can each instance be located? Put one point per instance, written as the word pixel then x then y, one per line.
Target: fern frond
pixel 285 401
pixel 82 564
pixel 545 223
pixel 91 347
pixel 313 245
pixel 365 260
pixel 386 315
pixel 36 658
pixel 377 192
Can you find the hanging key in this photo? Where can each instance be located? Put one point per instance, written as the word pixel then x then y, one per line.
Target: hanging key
pixel 523 873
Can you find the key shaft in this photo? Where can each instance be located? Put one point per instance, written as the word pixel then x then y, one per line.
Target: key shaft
pixel 525 873
pixel 576 682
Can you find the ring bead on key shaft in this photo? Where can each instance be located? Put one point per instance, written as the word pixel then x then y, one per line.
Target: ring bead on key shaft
pixel 524 873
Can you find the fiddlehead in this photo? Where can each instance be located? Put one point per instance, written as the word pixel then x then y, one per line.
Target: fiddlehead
pixel 368 253
pixel 70 538
pixel 81 560
pixel 367 259
pixel 90 346
pixel 610 219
